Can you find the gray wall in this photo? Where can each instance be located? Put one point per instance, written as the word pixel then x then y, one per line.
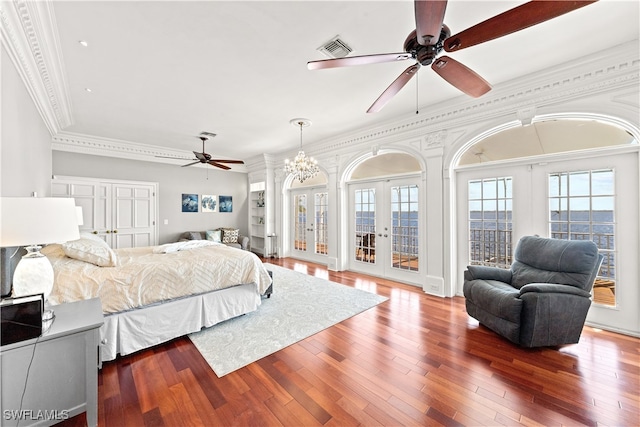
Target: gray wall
pixel 25 142
pixel 172 181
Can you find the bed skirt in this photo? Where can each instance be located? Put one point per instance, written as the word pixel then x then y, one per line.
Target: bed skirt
pixel 127 332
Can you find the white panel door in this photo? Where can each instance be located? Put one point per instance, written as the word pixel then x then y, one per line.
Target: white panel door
pixel 121 213
pixel 133 216
pixel 95 200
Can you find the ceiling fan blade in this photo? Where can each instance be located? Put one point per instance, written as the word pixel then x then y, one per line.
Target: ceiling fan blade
pixel 460 76
pixel 357 60
pixel 429 17
pixel 516 19
pixel 189 164
pixel 237 162
pixel 218 165
pixel 394 88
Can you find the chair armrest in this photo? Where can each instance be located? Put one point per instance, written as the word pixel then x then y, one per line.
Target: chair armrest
pixel 553 288
pixel 244 242
pixel 474 272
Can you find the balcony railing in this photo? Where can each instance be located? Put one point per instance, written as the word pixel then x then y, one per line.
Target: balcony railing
pixel 494 248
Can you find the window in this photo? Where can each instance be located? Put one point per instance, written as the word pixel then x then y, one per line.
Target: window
pixel 581 207
pixel 490 221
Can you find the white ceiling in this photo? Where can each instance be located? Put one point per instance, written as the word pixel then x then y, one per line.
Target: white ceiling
pixel 162 72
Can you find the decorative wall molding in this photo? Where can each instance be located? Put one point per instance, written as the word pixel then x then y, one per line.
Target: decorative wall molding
pixel 605 71
pixel 30 37
pixel 435 139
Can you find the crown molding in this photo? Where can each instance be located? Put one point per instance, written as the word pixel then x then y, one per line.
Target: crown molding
pixel 30 37
pixel 97 146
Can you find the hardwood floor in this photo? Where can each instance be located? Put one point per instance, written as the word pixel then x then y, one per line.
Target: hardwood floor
pixel 413 360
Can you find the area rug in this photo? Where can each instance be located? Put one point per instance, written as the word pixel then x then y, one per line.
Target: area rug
pixel 300 306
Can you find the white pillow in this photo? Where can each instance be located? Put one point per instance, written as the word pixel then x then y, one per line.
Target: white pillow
pixel 214 235
pixel 91 249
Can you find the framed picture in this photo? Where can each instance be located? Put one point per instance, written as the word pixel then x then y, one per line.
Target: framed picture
pixel 209 203
pixel 189 202
pixel 225 203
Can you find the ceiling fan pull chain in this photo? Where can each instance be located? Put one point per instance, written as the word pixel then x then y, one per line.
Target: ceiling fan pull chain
pixel 417 91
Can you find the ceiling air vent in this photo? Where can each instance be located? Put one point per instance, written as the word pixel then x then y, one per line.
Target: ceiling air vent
pixel 335 48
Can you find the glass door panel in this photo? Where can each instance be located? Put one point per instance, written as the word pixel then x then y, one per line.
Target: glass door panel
pixel 365 225
pixel 300 222
pixel 404 227
pixel 321 216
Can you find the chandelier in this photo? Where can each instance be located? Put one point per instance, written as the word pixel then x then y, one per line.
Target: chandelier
pixel 302 167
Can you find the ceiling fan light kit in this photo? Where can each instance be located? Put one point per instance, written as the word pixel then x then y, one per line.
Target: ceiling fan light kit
pixel 302 167
pixel 432 36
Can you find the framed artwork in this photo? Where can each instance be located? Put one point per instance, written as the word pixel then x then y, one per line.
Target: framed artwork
pixel 189 202
pixel 225 203
pixel 209 203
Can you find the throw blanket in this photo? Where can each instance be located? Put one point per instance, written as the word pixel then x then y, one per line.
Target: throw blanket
pixel 183 246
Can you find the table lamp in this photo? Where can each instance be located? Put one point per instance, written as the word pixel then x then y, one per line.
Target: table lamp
pixel 30 222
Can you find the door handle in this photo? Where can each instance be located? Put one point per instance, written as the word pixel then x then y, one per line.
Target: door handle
pixel 385 235
pixel 115 231
pixel 94 232
pixel 380 235
pixel 108 231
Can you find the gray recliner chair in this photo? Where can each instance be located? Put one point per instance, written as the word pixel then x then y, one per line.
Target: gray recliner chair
pixel 543 299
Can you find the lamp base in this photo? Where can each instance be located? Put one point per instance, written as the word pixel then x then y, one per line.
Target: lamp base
pixel 33 274
pixel 48 316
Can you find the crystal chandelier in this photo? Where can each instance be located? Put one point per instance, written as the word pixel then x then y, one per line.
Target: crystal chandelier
pixel 302 167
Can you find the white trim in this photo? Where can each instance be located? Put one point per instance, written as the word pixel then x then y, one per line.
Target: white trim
pixel 30 37
pixel 109 147
pixel 613 329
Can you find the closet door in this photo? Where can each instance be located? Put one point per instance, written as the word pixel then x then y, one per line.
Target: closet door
pixel 121 213
pixel 133 216
pixel 95 200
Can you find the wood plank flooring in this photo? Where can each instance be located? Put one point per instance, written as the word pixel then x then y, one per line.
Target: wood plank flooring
pixel 413 360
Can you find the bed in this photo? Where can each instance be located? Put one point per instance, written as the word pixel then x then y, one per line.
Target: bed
pixel 151 295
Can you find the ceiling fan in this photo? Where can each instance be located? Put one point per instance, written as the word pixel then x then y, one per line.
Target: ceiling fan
pixel 431 36
pixel 206 158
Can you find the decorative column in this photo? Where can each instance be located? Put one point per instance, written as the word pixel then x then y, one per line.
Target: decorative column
pixel 433 152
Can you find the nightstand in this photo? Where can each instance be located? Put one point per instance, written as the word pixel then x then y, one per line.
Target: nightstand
pixel 62 379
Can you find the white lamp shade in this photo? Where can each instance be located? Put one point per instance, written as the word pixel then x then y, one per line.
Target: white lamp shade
pixel 79 215
pixel 37 220
pixel 31 221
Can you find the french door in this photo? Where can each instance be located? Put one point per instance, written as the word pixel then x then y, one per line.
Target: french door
pixel 592 198
pixel 309 239
pixel 385 218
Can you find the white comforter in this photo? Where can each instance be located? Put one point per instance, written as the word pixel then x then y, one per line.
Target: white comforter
pixel 143 277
